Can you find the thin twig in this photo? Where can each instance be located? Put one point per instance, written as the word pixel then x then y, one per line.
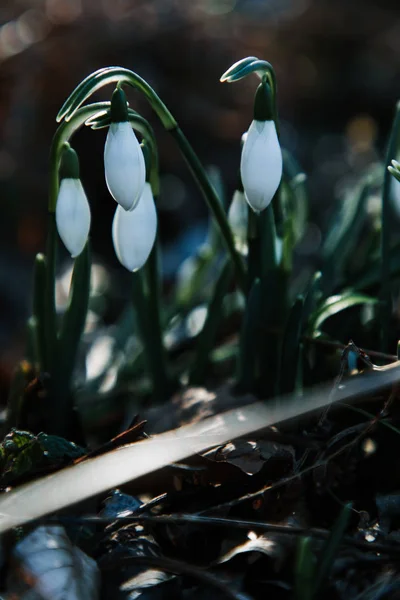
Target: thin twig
pixel 248 525
pixel 178 567
pixel 289 478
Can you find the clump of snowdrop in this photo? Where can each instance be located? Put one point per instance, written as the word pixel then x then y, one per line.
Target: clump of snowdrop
pixel 261 160
pixel 72 209
pixel 124 164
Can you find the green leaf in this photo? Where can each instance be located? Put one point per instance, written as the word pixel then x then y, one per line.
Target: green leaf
pixel 194 279
pixel 304 570
pixel 21 453
pixel 335 304
pixel 343 235
pixel 249 339
pixel 22 376
pixel 39 311
pixel 62 416
pixel 387 231
pixel 297 196
pixel 291 348
pixel 330 549
pixel 273 315
pixel 207 336
pixel 312 298
pixel 145 295
pixel 74 319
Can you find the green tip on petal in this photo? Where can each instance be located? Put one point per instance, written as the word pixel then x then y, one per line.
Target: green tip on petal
pixel 263 109
pixel 119 106
pixel 69 167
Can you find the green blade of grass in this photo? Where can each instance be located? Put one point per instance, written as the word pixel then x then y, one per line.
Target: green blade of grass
pixel 291 348
pixel 304 570
pixel 330 549
pixel 336 304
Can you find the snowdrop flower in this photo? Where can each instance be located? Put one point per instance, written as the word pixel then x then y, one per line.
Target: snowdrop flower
pixel 261 161
pixel 134 232
pixel 124 165
pixel 72 209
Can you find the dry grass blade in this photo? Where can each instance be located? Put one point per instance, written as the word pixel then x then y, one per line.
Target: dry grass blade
pixel 96 475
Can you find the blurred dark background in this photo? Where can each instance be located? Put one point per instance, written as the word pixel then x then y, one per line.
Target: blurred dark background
pixel 337 64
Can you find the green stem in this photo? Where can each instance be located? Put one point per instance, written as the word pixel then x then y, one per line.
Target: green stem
pixel 249 343
pixel 71 331
pixel 149 326
pixel 50 301
pixel 161 382
pixel 213 203
pixel 207 336
pixel 268 240
pixel 386 235
pixel 120 75
pixel 39 313
pixel 254 250
pixel 61 136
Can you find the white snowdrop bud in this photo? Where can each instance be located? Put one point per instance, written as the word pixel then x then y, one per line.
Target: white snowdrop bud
pixel 134 232
pixel 261 161
pixel 124 164
pixel 72 209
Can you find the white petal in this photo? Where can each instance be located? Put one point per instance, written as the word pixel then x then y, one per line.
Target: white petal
pixel 395 194
pixel 134 232
pixel 124 165
pixel 73 215
pixel 238 218
pixel 261 164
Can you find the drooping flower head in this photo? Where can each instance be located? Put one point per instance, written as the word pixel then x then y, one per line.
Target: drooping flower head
pixel 72 209
pixel 123 158
pixel 134 231
pixel 261 161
